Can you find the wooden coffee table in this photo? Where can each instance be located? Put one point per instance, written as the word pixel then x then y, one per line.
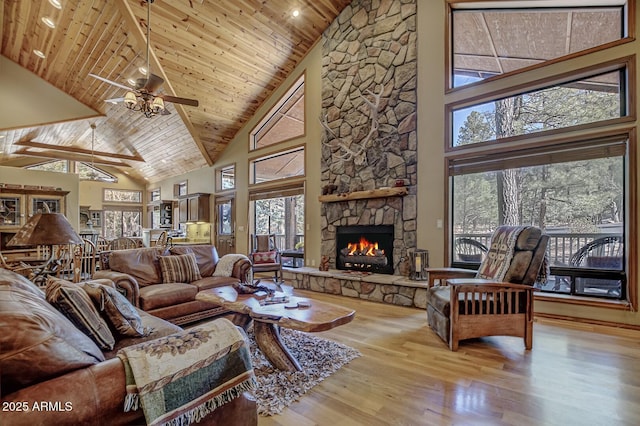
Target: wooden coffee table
pixel 267 319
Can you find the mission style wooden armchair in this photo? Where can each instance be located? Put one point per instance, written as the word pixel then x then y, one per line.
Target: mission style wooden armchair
pixel 496 300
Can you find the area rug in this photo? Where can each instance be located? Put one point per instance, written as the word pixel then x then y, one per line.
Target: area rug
pixel 318 357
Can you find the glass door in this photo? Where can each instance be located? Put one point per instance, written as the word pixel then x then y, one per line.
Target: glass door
pixel 225 225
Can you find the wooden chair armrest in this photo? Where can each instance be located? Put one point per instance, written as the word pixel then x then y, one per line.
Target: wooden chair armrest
pixel 479 283
pixel 443 274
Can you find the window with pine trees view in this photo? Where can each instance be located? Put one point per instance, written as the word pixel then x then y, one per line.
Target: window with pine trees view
pixel 284 217
pixel 582 102
pixel 575 202
pixel 544 147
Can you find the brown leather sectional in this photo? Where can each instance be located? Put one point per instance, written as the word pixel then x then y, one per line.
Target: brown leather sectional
pixel 138 275
pixel 51 373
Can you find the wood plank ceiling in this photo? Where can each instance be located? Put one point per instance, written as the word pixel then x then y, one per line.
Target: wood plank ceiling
pixel 230 55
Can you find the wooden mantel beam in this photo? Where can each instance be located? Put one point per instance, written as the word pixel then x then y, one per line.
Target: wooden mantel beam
pixel 361 195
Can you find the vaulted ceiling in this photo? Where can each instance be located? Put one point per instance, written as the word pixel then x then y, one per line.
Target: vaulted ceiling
pixel 230 55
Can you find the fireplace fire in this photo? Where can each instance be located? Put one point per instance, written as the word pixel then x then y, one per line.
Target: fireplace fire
pixel 363 253
pixel 365 248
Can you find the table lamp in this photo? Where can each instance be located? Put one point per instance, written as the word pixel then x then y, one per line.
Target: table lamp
pixel 46 229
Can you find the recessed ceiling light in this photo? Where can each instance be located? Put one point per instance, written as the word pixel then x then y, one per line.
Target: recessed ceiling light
pixel 39 53
pixel 295 13
pixel 56 4
pixel 131 82
pixel 48 22
pixel 142 70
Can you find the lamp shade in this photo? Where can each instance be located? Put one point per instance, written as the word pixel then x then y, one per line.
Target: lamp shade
pixel 45 229
pixel 158 104
pixel 130 98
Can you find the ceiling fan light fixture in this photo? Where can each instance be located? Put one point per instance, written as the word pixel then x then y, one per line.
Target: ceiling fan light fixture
pixel 158 104
pixel 141 96
pixel 130 99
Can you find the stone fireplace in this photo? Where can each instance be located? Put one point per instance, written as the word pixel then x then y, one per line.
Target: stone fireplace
pixel 369 150
pixel 369 115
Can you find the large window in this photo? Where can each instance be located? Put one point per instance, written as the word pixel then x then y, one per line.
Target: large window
pixel 575 192
pixel 544 146
pixel 505 38
pixel 282 165
pixel 90 172
pixel 226 178
pixel 284 121
pixel 122 222
pixel 61 166
pixel 583 102
pixel 122 195
pixel 280 212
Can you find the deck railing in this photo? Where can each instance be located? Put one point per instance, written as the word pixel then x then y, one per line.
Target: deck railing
pixel 561 245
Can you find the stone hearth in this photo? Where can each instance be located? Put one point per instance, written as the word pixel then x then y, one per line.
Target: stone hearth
pixel 390 289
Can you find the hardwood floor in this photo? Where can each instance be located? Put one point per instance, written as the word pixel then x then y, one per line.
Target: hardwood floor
pixel 576 374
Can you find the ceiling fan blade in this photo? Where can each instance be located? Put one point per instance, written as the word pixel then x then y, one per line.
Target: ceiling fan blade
pixel 182 101
pixel 113 83
pixel 150 84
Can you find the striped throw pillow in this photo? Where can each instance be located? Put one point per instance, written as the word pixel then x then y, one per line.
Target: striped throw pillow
pixel 180 268
pixel 74 303
pixel 121 314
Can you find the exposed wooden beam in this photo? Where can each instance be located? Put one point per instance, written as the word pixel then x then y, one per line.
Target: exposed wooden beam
pixel 32 144
pixel 70 156
pixel 141 38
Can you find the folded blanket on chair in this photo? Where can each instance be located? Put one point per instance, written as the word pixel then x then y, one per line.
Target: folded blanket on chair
pixel 496 263
pixel 181 378
pixel 224 268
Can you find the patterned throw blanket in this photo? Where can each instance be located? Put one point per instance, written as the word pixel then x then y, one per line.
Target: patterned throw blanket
pixel 181 378
pixel 498 259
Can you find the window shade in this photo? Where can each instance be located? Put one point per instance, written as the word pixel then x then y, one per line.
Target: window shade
pixel 281 191
pixel 613 146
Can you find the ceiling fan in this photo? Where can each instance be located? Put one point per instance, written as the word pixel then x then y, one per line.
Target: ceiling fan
pixel 143 96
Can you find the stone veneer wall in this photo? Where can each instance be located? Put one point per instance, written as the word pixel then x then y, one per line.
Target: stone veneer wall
pixel 369 50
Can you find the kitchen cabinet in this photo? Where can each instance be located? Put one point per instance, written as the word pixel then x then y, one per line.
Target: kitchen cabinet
pixel 166 214
pixel 194 207
pixel 161 214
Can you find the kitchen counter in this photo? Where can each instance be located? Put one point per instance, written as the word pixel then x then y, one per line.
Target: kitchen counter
pixel 189 241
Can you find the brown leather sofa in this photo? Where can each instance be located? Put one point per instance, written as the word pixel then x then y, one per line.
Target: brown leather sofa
pixel 51 373
pixel 138 274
